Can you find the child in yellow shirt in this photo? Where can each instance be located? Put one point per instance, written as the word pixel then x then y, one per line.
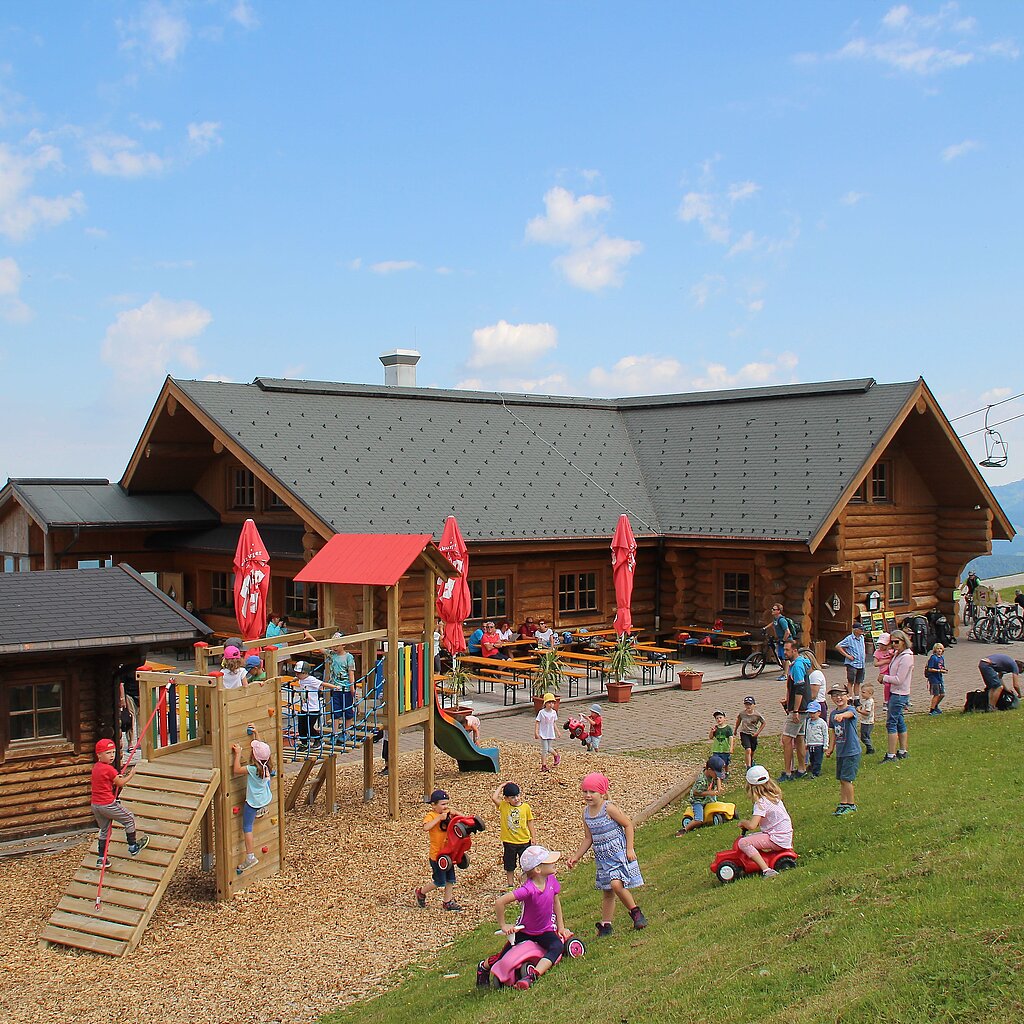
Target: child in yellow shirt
pixel 517 831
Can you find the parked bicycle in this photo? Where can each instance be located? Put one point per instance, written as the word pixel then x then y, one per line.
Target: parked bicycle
pixel 1002 625
pixel 754 663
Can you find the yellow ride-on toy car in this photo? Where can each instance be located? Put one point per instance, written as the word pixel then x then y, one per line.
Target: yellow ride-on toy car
pixel 715 813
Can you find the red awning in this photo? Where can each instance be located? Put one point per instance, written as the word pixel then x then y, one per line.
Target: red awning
pixel 378 559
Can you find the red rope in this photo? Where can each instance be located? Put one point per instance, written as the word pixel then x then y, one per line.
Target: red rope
pixel 164 690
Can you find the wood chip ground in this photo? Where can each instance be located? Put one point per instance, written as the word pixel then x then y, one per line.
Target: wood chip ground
pixel 334 926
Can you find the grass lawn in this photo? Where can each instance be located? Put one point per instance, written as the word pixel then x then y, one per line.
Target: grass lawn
pixel 910 910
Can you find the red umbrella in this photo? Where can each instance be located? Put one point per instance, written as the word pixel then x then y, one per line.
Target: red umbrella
pixel 623 566
pixel 252 582
pixel 453 603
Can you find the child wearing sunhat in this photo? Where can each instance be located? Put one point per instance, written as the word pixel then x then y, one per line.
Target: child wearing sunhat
pixel 594 727
pixel 544 732
pixel 106 807
pixel 542 906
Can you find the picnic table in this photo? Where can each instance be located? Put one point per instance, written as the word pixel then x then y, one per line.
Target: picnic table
pixel 594 664
pixel 652 664
pixel 731 652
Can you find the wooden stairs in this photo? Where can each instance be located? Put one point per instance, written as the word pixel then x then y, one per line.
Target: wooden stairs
pixel 168 798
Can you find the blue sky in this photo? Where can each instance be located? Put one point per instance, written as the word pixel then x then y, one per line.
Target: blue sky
pixel 574 198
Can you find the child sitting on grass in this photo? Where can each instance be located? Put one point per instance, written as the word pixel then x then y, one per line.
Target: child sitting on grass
pixel 722 739
pixel 706 787
pixel 769 826
pixel 440 813
pixel 517 831
pixel 609 832
pixel 257 789
pixel 541 906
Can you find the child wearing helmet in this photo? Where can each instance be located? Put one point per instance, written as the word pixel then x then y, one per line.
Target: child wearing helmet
pixel 769 826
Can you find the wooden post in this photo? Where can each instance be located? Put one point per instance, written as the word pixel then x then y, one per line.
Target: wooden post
pixel 429 596
pixel 48 561
pixel 391 699
pixel 145 710
pixel 369 659
pixel 270 664
pixel 206 834
pixel 222 818
pixel 325 606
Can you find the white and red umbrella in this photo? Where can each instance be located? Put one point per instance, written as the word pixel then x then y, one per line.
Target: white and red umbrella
pixel 453 602
pixel 252 582
pixel 623 567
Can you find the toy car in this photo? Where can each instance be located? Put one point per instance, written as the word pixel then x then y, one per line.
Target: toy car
pixel 733 863
pixel 506 969
pixel 577 728
pixel 460 830
pixel 715 813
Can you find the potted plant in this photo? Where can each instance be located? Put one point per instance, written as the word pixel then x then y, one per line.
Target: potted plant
pixel 621 662
pixel 690 679
pixel 453 684
pixel 547 678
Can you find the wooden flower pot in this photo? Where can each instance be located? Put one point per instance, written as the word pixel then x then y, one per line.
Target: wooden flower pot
pixel 619 693
pixel 690 680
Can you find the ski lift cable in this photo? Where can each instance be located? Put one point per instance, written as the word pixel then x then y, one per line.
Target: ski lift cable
pixel 1002 401
pixel 982 430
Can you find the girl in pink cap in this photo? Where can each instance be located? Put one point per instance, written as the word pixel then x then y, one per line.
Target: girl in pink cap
pixel 609 831
pixel 258 796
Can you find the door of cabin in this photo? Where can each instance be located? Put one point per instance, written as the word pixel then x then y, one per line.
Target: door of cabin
pixel 833 607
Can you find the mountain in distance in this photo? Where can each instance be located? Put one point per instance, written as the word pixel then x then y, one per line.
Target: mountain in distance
pixel 1007 556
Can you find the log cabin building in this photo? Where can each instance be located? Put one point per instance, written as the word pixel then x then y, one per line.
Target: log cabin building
pixel 815 495
pixel 66 638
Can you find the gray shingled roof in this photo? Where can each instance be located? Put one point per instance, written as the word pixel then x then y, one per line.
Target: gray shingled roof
pixel 67 503
pixel 761 463
pixel 86 608
pixel 280 541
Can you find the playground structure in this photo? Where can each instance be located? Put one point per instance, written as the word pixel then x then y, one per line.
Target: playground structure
pixel 184 784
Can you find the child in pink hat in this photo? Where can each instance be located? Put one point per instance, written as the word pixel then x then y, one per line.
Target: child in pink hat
pixel 609 832
pixel 258 796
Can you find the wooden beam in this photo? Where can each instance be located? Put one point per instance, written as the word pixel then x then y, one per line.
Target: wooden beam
pixel 300 781
pixel 176 449
pixel 369 658
pixel 430 580
pixel 391 699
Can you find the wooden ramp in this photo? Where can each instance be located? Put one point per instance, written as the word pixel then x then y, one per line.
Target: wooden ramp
pixel 168 797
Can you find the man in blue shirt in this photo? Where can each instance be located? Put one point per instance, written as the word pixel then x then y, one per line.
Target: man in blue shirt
pixel 780 624
pixel 798 696
pixel 473 643
pixel 852 649
pixel 992 670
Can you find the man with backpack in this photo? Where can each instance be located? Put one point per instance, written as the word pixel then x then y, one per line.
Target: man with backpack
pixel 783 632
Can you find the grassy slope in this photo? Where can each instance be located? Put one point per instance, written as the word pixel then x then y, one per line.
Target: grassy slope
pixel 910 910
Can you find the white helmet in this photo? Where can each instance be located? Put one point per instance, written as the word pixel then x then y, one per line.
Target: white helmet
pixel 757 775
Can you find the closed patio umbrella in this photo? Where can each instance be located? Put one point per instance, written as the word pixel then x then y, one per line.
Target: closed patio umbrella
pixel 252 582
pixel 623 566
pixel 453 603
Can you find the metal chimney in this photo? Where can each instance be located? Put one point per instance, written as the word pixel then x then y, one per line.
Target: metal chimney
pixel 400 367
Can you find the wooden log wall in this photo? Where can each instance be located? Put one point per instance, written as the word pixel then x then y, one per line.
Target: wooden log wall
pixel 963 534
pixel 48 788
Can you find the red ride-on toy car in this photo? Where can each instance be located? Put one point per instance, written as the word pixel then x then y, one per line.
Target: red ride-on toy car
pixel 733 863
pixel 578 729
pixel 461 829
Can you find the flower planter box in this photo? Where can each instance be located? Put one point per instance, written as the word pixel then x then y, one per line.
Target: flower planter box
pixel 690 680
pixel 619 693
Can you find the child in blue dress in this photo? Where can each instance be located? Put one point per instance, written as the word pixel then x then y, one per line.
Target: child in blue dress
pixel 610 833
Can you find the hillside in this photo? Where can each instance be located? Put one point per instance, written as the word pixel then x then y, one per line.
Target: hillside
pixel 1007 557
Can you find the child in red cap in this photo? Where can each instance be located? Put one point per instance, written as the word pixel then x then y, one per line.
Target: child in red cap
pixel 106 808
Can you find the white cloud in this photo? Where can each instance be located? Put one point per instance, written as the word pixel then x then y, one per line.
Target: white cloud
pixel 355 264
pixel 393 266
pixel 507 344
pixel 118 156
pixel 593 260
pixel 142 344
pixel 712 210
pixel 159 33
pixel 852 198
pixel 244 15
pixel 995 395
pixel 444 271
pixel 650 374
pixel 741 190
pixel 94 232
pixel 22 212
pixel 203 136
pixel 746 243
pixel 959 149
pixel 706 288
pixel 755 305
pixel 552 384
pixel 12 309
pixel 923 44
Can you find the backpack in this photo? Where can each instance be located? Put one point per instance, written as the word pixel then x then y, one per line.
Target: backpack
pixel 977 700
pixel 794 627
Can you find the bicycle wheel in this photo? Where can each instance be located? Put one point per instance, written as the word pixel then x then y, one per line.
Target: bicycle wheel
pixel 986 629
pixel 753 665
pixel 1015 627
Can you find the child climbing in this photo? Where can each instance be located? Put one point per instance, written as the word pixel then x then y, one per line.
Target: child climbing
pixel 106 807
pixel 541 907
pixel 435 821
pixel 706 787
pixel 257 774
pixel 769 826
pixel 544 731
pixel 609 832
pixel 517 831
pixel 595 723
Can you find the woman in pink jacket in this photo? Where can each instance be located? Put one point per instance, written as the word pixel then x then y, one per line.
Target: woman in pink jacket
pixel 898 678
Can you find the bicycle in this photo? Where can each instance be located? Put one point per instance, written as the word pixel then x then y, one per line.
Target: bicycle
pixel 754 663
pixel 1000 626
